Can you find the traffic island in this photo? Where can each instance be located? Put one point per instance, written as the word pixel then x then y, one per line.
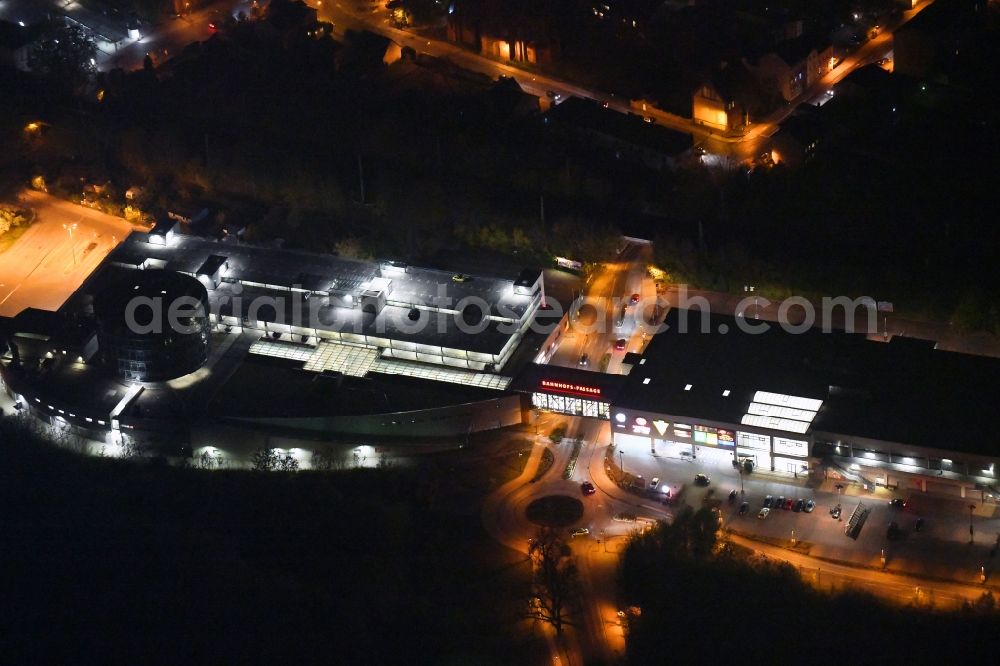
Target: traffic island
pixel 555 511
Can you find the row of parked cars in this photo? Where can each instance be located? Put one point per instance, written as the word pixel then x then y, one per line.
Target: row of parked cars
pixel 782 502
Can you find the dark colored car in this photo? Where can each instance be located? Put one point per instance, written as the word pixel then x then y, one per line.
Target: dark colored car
pixel 587 488
pixel 892 532
pixel 620 344
pixel 768 501
pixel 780 502
pixel 801 504
pixel 413 314
pixel 918 525
pixel 702 480
pixel 634 299
pixel 898 503
pixel 744 508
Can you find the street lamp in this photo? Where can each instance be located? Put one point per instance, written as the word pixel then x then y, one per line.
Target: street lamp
pixel 71 228
pixel 751 289
pixel 621 463
pixel 972 507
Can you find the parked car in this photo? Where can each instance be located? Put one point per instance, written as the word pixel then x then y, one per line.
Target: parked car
pixel 732 495
pixel 744 508
pixel 654 482
pixel 801 504
pixel 702 480
pixel 460 277
pixel 780 502
pixel 768 501
pixel 789 503
pixel 763 513
pixel 810 505
pixel 587 488
pixel 892 532
pixel 918 525
pixel 620 344
pixel 635 299
pixel 579 531
pixel 835 512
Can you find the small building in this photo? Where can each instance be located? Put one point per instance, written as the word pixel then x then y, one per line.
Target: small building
pixel 793 67
pixel 799 137
pixel 925 46
pixel 625 136
pixel 489 27
pixel 163 232
pixel 723 100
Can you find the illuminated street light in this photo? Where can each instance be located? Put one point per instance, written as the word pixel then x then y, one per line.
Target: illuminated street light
pixel 750 289
pixel 71 228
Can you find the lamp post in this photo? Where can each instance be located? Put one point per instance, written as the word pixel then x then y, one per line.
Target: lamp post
pixel 751 289
pixel 972 507
pixel 71 228
pixel 621 463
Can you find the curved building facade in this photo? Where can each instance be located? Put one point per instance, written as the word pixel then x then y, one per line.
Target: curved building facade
pixel 153 325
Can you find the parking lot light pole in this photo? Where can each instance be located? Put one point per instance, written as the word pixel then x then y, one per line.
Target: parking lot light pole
pixel 71 228
pixel 972 507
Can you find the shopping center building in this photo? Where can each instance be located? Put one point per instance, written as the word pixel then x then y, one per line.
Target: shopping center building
pixel 902 413
pixel 278 345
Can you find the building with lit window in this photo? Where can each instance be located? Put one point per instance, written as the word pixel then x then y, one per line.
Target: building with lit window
pixel 901 414
pixel 284 345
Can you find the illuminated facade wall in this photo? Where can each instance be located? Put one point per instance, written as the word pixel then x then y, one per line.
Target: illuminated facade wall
pixel 690 438
pixel 710 109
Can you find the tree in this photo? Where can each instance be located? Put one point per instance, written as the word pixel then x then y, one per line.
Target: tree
pixel 11 217
pixel 265 460
pixel 287 463
pixel 351 248
pixel 66 55
pixel 555 579
pixel 327 461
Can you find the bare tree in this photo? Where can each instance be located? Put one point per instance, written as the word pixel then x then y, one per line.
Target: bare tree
pixel 265 460
pixel 207 461
pixel 287 463
pixel 555 579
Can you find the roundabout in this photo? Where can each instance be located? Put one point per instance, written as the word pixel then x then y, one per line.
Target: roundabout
pixel 554 511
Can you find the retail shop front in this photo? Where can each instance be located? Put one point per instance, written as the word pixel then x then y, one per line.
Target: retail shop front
pixel 706 441
pixel 569 391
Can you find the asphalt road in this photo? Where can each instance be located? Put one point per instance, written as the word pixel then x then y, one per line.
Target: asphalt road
pixel 595 330
pixel 47 264
pixel 597 633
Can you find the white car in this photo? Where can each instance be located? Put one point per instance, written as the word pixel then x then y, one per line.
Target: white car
pixel 763 513
pixel 655 482
pixel 580 531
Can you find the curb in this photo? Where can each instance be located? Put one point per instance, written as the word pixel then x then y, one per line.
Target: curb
pixel 990 587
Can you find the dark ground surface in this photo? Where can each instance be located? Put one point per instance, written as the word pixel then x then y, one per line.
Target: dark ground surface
pixel 143 562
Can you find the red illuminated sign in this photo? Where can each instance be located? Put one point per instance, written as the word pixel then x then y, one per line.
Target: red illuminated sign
pixel 567 387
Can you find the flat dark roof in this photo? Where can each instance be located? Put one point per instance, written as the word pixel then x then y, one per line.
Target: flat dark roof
pixel 570 381
pixel 294 392
pixel 904 391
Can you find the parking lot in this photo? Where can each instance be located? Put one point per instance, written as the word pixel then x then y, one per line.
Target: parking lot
pixel 940 547
pixel 48 263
